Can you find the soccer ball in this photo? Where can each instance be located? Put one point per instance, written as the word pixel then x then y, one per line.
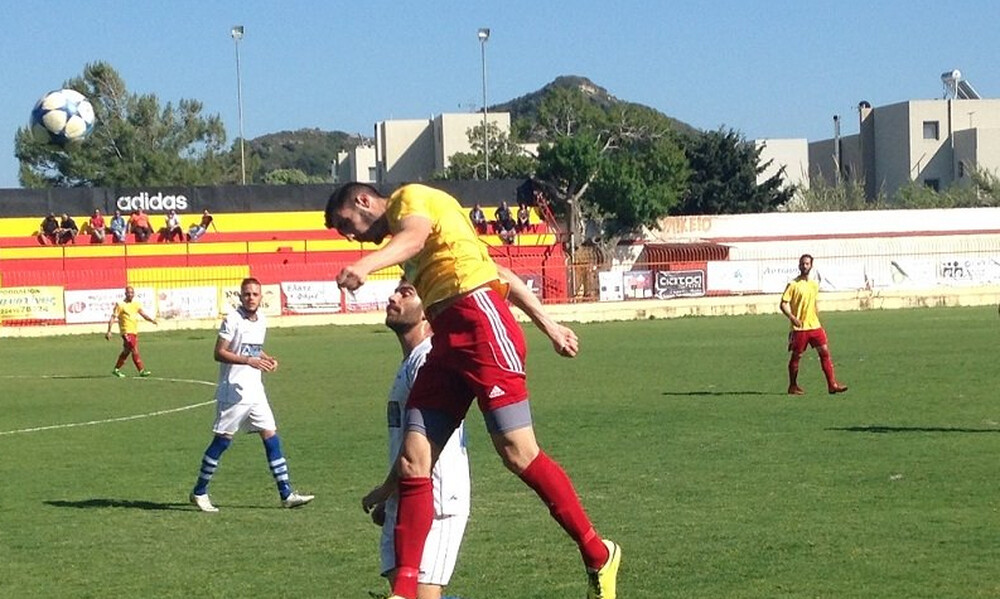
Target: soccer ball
pixel 63 116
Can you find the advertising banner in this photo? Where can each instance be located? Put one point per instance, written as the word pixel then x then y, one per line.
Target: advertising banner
pixel 270 302
pixel 31 303
pixel 733 277
pixel 637 284
pixel 188 303
pixel 96 305
pixel 680 283
pixel 611 286
pixel 311 297
pixel 372 296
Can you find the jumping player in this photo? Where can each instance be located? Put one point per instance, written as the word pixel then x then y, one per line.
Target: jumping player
pixel 478 352
pixel 798 304
pixel 127 312
pixel 241 403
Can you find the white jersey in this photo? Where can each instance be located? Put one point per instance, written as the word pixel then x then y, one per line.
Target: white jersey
pixel 238 382
pixel 452 487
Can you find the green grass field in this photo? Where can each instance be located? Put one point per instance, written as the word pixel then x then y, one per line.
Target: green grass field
pixel 678 436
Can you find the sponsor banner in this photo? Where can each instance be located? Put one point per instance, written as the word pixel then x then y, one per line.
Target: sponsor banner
pixel 775 277
pixel 270 301
pixel 188 303
pixel 31 303
pixel 637 284
pixel 311 297
pixel 965 270
pixel 733 277
pixel 373 295
pixel 680 283
pixel 96 305
pixel 611 286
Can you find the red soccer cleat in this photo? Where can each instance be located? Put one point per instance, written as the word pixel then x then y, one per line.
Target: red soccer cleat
pixel 796 390
pixel 837 388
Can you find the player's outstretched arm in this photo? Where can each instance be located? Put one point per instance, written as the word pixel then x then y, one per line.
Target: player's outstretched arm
pixel 404 244
pixel 148 318
pixel 111 322
pixel 563 338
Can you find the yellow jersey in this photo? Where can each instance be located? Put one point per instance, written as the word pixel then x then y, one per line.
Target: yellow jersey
pixel 801 297
pixel 453 261
pixel 128 316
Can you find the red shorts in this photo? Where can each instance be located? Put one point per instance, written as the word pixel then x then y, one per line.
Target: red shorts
pixel 477 351
pixel 799 340
pixel 130 342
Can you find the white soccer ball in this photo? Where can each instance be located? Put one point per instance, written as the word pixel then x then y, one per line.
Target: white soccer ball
pixel 63 116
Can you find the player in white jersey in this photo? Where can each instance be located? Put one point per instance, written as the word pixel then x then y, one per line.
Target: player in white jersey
pixel 452 488
pixel 241 404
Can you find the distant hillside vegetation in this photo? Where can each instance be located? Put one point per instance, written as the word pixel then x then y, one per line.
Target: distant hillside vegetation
pixel 308 150
pixel 312 150
pixel 526 106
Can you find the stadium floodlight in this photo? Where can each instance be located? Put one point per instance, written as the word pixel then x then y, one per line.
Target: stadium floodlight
pixel 237 33
pixel 484 36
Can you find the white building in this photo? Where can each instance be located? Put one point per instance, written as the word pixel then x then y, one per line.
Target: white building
pixel 935 142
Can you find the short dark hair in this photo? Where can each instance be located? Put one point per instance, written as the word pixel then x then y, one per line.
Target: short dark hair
pixel 342 195
pixel 806 256
pixel 249 281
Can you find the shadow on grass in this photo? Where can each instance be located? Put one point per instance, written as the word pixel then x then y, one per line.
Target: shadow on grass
pixel 881 429
pixel 714 393
pixel 126 503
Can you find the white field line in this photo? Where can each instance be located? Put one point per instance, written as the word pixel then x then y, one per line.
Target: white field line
pixel 106 420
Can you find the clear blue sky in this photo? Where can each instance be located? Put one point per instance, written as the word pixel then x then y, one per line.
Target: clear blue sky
pixel 767 69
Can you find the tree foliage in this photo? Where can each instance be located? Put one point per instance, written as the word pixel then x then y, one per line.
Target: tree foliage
pixel 508 159
pixel 724 171
pixel 612 169
pixel 135 142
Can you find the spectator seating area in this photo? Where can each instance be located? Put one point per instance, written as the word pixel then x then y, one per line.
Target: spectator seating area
pixel 272 246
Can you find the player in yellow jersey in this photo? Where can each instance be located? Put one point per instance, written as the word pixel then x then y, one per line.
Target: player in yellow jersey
pixel 127 313
pixel 798 304
pixel 478 353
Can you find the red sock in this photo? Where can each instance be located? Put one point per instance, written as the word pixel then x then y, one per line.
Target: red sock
pixel 793 372
pixel 413 522
pixel 554 487
pixel 121 360
pixel 137 360
pixel 826 361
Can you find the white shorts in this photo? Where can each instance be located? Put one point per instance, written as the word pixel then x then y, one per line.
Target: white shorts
pixel 440 549
pixel 247 412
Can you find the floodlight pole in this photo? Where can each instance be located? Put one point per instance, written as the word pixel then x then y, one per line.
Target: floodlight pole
pixel 484 36
pixel 237 33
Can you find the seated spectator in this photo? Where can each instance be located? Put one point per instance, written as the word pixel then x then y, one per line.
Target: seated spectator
pixel 504 224
pixel 173 227
pixel 47 230
pixel 96 226
pixel 67 231
pixel 524 219
pixel 119 228
pixel 478 219
pixel 139 223
pixel 196 231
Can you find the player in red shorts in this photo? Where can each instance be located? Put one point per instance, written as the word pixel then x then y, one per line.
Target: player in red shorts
pixel 127 313
pixel 798 303
pixel 478 352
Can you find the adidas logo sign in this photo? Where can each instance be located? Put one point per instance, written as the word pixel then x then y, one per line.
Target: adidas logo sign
pixel 496 392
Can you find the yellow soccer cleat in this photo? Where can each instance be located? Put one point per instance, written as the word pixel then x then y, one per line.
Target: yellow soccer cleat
pixel 602 583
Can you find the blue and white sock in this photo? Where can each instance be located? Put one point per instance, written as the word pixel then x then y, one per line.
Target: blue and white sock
pixel 279 467
pixel 209 462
